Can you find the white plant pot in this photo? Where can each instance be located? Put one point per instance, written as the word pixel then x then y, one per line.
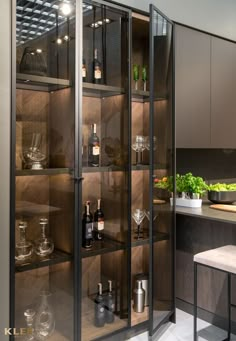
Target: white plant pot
pixel 193 203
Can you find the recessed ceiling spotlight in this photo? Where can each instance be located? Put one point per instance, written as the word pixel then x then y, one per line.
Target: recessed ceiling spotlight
pixel 66 38
pixel 39 50
pixel 66 9
pixel 94 25
pixel 100 22
pixel 59 41
pixel 107 20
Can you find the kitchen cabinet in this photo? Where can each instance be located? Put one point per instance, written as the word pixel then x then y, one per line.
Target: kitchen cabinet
pixel 65 93
pixel 223 99
pixel 192 84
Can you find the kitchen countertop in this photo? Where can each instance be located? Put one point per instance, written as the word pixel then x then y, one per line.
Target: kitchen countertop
pixel 205 212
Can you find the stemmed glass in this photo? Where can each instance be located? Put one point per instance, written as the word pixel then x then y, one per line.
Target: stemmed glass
pixel 144 77
pixel 138 216
pixel 147 142
pixel 147 213
pixel 44 246
pixel 29 317
pixel 136 75
pixel 138 146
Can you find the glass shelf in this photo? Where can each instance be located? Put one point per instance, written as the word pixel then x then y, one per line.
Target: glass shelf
pixel 140 96
pixel 101 247
pixel 144 241
pixel 101 90
pixel 55 258
pixel 46 171
pixel 30 209
pixel 40 83
pixel 140 167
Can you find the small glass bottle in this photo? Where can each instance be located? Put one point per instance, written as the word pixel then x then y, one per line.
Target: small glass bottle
pixel 44 320
pixel 24 248
pixel 29 317
pixel 44 246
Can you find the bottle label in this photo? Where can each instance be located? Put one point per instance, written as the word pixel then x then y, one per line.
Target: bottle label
pixel 97 73
pixel 83 72
pixel 100 225
pixel 89 230
pixel 96 150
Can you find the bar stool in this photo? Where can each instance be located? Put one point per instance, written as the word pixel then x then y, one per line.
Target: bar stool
pixel 222 259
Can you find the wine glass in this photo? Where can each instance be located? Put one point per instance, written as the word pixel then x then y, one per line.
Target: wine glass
pixel 136 75
pixel 29 317
pixel 138 145
pixel 44 246
pixel 138 216
pixel 147 213
pixel 144 77
pixel 147 142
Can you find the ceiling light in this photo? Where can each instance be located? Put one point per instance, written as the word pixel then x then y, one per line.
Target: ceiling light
pixel 59 41
pixel 100 22
pixel 39 50
pixel 66 9
pixel 107 20
pixel 94 25
pixel 66 38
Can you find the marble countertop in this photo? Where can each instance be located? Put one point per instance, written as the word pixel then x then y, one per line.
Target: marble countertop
pixel 206 212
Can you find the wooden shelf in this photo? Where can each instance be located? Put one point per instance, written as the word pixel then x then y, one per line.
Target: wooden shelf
pixel 137 318
pixel 30 209
pixel 46 171
pixel 101 90
pixel 140 167
pixel 89 331
pixel 102 169
pixel 157 238
pixel 102 247
pixel 55 258
pixel 144 96
pixel 40 83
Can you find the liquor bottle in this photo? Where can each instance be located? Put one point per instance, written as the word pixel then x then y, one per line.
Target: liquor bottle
pixel 99 222
pixel 87 225
pixel 97 68
pixel 99 312
pixel 93 147
pixel 110 305
pixel 84 70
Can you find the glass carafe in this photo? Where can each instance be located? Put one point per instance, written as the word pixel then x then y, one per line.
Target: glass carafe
pixel 29 317
pixel 33 157
pixel 44 320
pixel 24 248
pixel 44 246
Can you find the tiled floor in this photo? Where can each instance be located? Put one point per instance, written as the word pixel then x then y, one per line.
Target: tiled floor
pixel 183 331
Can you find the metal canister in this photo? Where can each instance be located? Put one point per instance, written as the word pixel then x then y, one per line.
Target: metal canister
pixel 139 297
pixel 144 278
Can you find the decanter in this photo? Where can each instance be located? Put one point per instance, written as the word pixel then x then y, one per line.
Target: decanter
pixel 44 320
pixel 44 246
pixel 33 157
pixel 24 248
pixel 29 317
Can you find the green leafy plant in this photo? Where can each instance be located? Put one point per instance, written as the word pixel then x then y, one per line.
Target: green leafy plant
pixel 165 183
pixel 194 184
pixel 222 187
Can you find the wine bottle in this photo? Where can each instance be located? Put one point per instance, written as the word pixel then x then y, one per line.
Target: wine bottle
pixel 93 147
pixel 97 68
pixel 99 312
pixel 110 305
pixel 99 222
pixel 84 70
pixel 87 226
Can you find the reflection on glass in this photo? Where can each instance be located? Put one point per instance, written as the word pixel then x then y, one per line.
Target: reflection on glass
pixel 138 216
pixel 24 248
pixel 45 320
pixel 33 157
pixel 44 246
pixel 29 318
pixel 136 75
pixel 144 77
pixel 147 142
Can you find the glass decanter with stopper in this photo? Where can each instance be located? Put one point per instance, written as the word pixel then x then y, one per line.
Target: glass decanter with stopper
pixel 44 246
pixel 24 248
pixel 44 320
pixel 33 158
pixel 29 317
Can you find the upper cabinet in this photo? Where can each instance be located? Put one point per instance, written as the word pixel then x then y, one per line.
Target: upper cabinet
pixel 192 88
pixel 223 99
pixel 205 83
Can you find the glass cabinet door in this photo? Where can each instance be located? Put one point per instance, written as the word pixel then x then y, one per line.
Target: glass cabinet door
pixel 43 121
pixel 162 165
pixel 104 156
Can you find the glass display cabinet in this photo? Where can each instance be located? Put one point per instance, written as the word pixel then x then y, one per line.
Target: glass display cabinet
pixel 92 242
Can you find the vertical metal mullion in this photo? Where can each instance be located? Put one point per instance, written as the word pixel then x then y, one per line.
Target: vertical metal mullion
pixel 12 167
pixel 129 269
pixel 151 158
pixel 78 172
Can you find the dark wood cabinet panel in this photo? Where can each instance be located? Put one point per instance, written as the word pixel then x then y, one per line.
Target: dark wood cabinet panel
pixel 223 99
pixel 192 88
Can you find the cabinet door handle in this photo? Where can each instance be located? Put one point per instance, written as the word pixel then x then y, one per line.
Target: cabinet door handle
pixel 80 178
